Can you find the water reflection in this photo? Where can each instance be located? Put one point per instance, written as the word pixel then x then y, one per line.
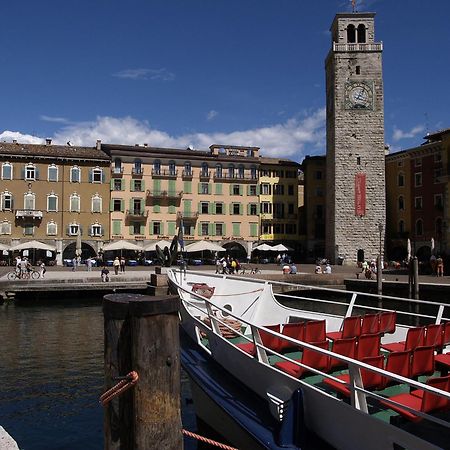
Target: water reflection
pixel 51 376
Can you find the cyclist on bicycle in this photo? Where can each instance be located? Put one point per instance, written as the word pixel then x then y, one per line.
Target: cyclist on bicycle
pixel 23 267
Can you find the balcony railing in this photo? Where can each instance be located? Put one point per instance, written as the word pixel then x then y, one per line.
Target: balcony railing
pixel 163 173
pixel 29 214
pixel 187 174
pixel 116 171
pixel 137 171
pixel 372 47
pixel 205 175
pixel 164 194
pixel 187 215
pixel 137 213
pixel 236 176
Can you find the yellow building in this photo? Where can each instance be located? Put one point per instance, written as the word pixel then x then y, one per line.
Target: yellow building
pixel 50 193
pixel 215 194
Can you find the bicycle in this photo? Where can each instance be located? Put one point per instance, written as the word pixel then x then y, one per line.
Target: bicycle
pixel 17 275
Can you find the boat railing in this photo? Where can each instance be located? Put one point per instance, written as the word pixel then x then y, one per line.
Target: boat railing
pixel 358 394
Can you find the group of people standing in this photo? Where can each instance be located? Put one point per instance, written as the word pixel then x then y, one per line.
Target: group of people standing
pixel 437 265
pixel 227 265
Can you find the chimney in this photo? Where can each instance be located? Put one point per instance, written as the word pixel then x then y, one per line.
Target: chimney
pixel 14 141
pixel 48 141
pixel 99 144
pixel 145 144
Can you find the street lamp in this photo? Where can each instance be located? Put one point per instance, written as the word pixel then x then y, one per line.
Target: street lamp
pixel 380 229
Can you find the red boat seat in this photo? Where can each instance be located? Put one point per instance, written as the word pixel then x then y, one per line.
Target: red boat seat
pixel 351 327
pixel 370 324
pixel 345 347
pixel 315 331
pixel 368 345
pixel 293 330
pixel 415 337
pixel 434 335
pixel 388 320
pixel 310 358
pixel 369 379
pixel 442 363
pixel 422 361
pixel 269 340
pixel 421 401
pixel 398 363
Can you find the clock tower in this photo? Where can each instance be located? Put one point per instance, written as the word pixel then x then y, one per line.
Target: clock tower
pixel 355 161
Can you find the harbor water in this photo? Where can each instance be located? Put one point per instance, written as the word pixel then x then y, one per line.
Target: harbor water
pixel 51 376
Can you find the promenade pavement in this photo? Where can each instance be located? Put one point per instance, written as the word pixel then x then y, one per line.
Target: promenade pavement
pixel 140 272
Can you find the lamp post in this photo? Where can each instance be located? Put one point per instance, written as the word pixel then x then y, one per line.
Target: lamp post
pixel 379 265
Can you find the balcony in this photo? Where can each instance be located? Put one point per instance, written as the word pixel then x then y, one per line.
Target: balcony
pixel 187 216
pixel 205 175
pixel 372 47
pixel 137 171
pixel 116 172
pixel 235 177
pixel 164 173
pixel 137 214
pixel 29 214
pixel 164 194
pixel 187 174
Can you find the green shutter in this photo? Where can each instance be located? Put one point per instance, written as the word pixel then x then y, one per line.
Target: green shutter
pixel 112 184
pixel 142 205
pixel 157 186
pixel 131 230
pixel 224 208
pixel 172 186
pixel 143 185
pixel 209 188
pixel 199 187
pixel 111 205
pixel 199 208
pixel 117 225
pixel 156 208
pixel 231 189
pixel 142 229
pixel 248 209
pixel 187 206
pixel 210 208
pixel 236 229
pixel 241 189
pixel 172 209
pixel 219 189
pixel 152 227
pixel 132 185
pixel 130 205
pixel 212 229
pixel 122 205
pixel 199 229
pixel 171 228
pixel 188 187
pixel 253 229
pixel 241 209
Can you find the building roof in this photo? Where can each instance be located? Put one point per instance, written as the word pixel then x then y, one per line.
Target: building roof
pixel 279 161
pixel 51 151
pixel 437 135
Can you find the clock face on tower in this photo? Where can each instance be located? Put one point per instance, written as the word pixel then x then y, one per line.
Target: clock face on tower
pixel 358 95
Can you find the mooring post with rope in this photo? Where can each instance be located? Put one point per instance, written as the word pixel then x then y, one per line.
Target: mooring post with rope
pixel 142 372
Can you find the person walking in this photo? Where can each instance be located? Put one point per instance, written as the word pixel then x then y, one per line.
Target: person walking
pixel 89 264
pixel 122 264
pixel 440 266
pixel 74 264
pixel 116 265
pixel 42 270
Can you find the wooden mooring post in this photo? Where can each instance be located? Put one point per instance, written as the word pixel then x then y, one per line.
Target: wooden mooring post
pixel 141 334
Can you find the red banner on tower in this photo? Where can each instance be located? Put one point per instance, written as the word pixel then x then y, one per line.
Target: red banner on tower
pixel 360 194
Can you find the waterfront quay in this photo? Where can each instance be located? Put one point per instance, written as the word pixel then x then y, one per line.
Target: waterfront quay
pixel 63 282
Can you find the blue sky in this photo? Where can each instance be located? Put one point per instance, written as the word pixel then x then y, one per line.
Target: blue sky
pixel 199 72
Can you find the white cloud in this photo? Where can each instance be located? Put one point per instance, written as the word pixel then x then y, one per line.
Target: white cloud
pixel 8 136
pixel 54 119
pixel 211 114
pixel 400 134
pixel 292 139
pixel 146 74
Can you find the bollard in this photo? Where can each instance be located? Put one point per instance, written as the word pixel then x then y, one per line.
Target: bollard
pixel 150 338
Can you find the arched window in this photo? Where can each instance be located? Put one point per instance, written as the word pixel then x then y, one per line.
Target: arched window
pixel 29 200
pixel 75 174
pixel 52 228
pixel 7 171
pixel 231 171
pixel 253 173
pixel 187 168
pixel 52 174
pixel 219 171
pixel 118 165
pixel 204 170
pixel 172 168
pixel 401 179
pixel 241 171
pixel 75 203
pixel 401 203
pixel 361 33
pixel 419 227
pixel 157 167
pixel 96 204
pixel 5 227
pixel 401 226
pixel 96 175
pixel 7 201
pixel 351 34
pixel 52 202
